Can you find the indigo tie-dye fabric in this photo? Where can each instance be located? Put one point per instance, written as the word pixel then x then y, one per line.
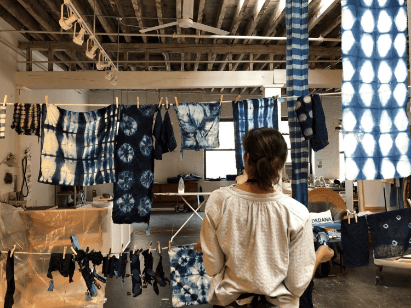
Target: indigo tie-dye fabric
pixel 320 137
pixel 391 233
pixel 252 113
pixel 296 13
pixel 133 191
pixel 2 121
pixel 374 90
pixel 199 124
pixel 77 148
pixel 189 281
pixel 26 119
pixel 304 110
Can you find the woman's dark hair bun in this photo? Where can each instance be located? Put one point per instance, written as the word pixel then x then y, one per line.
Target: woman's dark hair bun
pixel 267 152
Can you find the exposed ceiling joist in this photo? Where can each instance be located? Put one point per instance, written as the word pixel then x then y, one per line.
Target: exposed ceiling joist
pixel 159 9
pixel 138 11
pixel 199 18
pixel 101 12
pixel 178 16
pixel 324 7
pixel 119 12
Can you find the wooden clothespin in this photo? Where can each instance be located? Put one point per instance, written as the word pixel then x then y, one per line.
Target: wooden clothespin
pixel 149 247
pixel 355 216
pixel 175 99
pixel 135 248
pixel 109 252
pixel 221 99
pixel 166 102
pixel 313 92
pixel 121 251
pixel 138 103
pixel 275 97
pixel 46 98
pixel 409 202
pixel 12 250
pixel 74 251
pixel 64 252
pixel 158 247
pixel 169 246
pixel 348 218
pixel 116 102
pixel 236 100
pixel 5 101
pixel 159 103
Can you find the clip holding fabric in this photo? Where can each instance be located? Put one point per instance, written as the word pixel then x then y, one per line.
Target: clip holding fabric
pixel 221 99
pixel 64 252
pixel 169 246
pixel 116 102
pixel 175 99
pixel 138 103
pixel 5 101
pixel 158 247
pixel 12 251
pixel 74 251
pixel 161 100
pixel 149 247
pixel 237 98
pixel 46 98
pixel 121 251
pixel 167 106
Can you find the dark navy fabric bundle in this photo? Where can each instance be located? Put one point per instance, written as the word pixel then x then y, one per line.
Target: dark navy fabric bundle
pixel 26 119
pixel 354 240
pixel 320 137
pixel 391 233
pixel 77 148
pixel 252 113
pixel 133 191
pixel 304 110
pixel 166 142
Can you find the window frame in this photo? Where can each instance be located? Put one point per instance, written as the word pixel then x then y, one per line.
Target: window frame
pixel 225 119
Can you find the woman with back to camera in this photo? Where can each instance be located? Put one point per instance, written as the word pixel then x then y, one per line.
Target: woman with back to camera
pixel 255 240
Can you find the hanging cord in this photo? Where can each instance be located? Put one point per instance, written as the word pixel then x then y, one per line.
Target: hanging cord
pixel 24 168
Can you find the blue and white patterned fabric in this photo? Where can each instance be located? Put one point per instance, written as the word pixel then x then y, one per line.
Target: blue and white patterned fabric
pixel 189 281
pixel 199 125
pixel 2 121
pixel 77 148
pixel 133 191
pixel 297 85
pixel 374 89
pixel 252 113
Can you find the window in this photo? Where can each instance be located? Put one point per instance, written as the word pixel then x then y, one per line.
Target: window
pixel 221 161
pixel 342 163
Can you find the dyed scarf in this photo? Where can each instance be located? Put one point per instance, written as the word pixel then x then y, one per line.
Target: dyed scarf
pixel 133 191
pixel 297 85
pixel 252 113
pixel 77 148
pixel 374 90
pixel 26 119
pixel 2 121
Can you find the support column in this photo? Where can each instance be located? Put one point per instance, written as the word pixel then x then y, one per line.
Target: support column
pixel 51 59
pixel 29 57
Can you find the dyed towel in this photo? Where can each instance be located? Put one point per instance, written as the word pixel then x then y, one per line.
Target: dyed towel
pixel 304 110
pixel 297 85
pixel 77 148
pixel 320 137
pixel 374 90
pixel 2 121
pixel 391 233
pixel 26 119
pixel 168 141
pixel 189 281
pixel 133 191
pixel 199 124
pixel 354 240
pixel 252 113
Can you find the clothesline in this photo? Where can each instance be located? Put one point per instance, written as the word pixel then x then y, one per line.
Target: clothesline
pixel 49 253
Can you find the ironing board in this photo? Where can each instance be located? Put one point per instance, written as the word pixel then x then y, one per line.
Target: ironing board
pixel 195 211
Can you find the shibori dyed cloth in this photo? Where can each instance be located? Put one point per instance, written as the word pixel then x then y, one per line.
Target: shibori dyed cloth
pixel 26 119
pixel 77 148
pixel 374 90
pixel 189 281
pixel 133 191
pixel 252 113
pixel 297 85
pixel 199 125
pixel 391 233
pixel 2 121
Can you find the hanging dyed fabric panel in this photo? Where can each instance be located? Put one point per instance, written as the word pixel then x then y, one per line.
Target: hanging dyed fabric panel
pixel 189 281
pixel 77 148
pixel 2 121
pixel 252 113
pixel 199 124
pixel 374 90
pixel 26 119
pixel 133 191
pixel 297 85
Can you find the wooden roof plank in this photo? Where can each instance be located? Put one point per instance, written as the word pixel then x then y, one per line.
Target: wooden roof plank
pixel 101 11
pixel 324 7
pixel 119 12
pixel 138 11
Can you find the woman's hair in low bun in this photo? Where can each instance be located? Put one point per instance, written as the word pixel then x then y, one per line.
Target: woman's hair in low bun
pixel 267 152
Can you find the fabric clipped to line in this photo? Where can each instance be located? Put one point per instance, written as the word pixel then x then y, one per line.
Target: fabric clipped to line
pixel 26 119
pixel 199 125
pixel 189 281
pixel 252 113
pixel 133 191
pixel 311 116
pixel 374 90
pixel 77 148
pixel 2 121
pixel 354 240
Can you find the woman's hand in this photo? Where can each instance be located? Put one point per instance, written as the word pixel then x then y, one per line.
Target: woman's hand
pixel 324 253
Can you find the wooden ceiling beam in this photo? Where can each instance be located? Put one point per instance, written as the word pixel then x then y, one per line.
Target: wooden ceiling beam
pixel 119 12
pixel 105 22
pixel 159 8
pixel 199 18
pixel 80 7
pixel 178 16
pixel 179 48
pixel 15 23
pixel 138 11
pixel 324 7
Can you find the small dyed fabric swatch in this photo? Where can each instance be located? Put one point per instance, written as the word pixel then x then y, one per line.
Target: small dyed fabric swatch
pixel 77 148
pixel 199 125
pixel 304 111
pixel 391 233
pixel 320 137
pixel 189 281
pixel 2 121
pixel 354 240
pixel 133 191
pixel 26 119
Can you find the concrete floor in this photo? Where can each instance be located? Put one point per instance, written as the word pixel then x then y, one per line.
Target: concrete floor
pixel 354 289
